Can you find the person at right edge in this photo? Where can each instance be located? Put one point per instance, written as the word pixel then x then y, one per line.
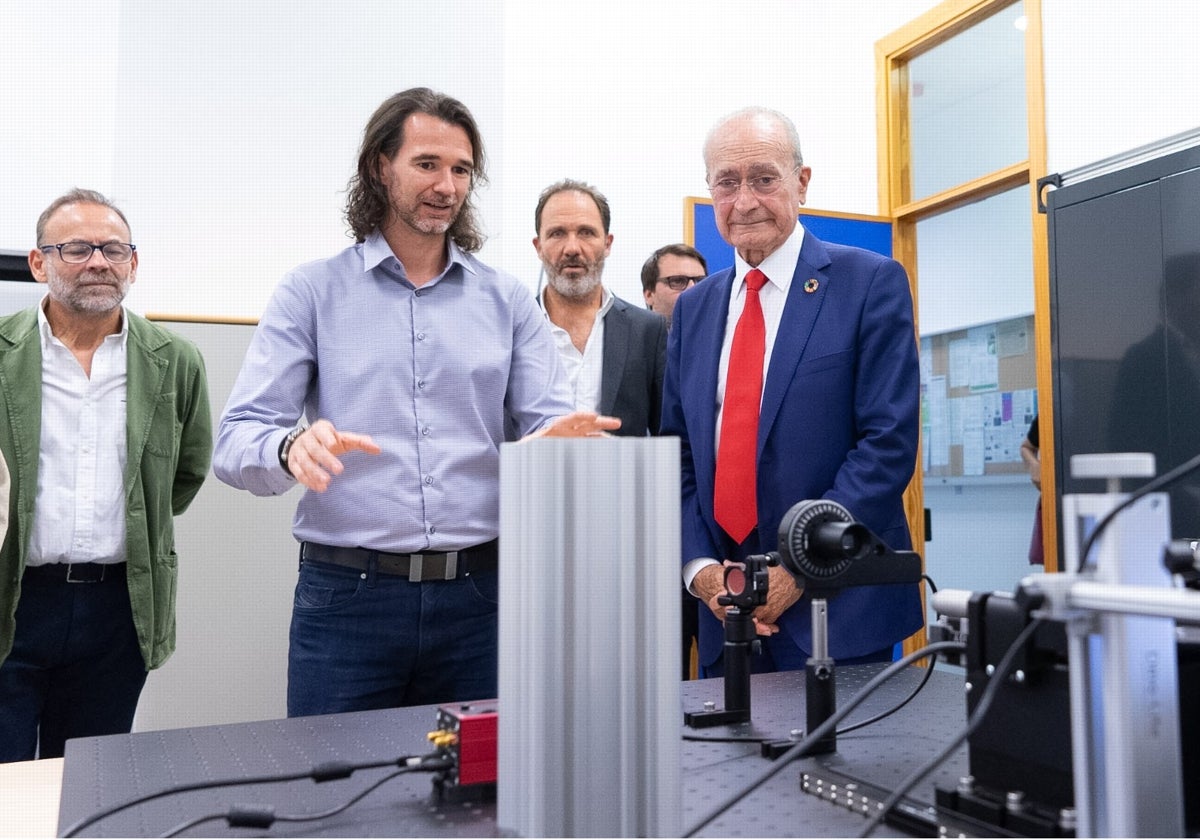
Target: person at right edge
pixel 1031 456
pixel 793 375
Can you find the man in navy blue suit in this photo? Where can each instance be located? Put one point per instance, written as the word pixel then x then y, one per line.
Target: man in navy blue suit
pixel 838 415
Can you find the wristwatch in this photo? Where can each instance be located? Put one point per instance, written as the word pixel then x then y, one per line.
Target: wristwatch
pixel 286 446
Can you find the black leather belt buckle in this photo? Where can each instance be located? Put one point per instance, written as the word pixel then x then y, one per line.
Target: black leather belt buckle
pixel 86 572
pixel 416 568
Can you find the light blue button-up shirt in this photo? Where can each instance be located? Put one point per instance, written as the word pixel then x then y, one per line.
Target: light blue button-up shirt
pixel 436 375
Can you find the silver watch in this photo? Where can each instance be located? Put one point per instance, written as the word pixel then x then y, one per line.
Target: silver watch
pixel 286 446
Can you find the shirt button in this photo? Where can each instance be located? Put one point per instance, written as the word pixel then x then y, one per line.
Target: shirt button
pixel 432 530
pixel 425 431
pixel 420 336
pixel 420 383
pixel 429 479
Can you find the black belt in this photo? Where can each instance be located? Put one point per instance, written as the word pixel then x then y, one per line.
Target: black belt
pixel 77 572
pixel 446 565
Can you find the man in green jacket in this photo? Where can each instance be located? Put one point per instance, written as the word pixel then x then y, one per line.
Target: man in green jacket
pixel 107 434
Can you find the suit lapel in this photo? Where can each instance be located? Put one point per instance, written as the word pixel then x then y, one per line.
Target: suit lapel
pixel 616 350
pixel 701 357
pixel 799 315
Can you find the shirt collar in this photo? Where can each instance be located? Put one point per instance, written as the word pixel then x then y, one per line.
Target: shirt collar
pixel 47 335
pixel 376 252
pixel 780 264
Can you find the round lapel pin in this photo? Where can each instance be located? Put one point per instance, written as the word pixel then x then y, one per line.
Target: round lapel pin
pixel 811 285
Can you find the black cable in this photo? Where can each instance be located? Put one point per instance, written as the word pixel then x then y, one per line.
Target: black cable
pixel 924 681
pixel 755 739
pixel 321 773
pixel 814 737
pixel 243 816
pixel 749 739
pixel 1163 480
pixel 981 710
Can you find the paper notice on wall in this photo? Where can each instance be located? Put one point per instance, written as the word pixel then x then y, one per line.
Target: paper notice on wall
pixel 938 444
pixel 984 361
pixel 973 451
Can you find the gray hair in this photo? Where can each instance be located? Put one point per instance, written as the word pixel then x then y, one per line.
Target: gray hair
pixel 571 185
pixel 771 114
pixel 75 196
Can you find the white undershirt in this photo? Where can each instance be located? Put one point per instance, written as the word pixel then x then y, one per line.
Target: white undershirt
pixel 584 370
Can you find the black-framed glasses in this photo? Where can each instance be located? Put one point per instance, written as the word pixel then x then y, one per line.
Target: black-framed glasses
pixel 679 282
pixel 727 189
pixel 80 252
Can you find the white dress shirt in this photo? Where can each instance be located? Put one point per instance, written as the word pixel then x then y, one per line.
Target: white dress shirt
pixel 584 370
pixel 79 512
pixel 778 267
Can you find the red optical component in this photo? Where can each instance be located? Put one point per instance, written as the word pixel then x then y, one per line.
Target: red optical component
pixel 735 579
pixel 474 752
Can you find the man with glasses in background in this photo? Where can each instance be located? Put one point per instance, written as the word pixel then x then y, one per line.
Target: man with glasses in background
pixel 792 375
pixel 667 272
pixel 665 275
pixel 108 437
pixel 614 353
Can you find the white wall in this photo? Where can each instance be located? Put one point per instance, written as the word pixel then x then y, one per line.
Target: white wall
pixel 227 130
pixel 1118 76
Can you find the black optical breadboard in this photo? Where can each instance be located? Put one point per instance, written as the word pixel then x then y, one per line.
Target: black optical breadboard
pixel 100 772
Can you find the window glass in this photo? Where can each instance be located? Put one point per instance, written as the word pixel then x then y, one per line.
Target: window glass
pixel 966 102
pixel 976 263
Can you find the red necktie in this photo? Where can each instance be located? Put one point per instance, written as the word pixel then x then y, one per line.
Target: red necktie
pixel 735 503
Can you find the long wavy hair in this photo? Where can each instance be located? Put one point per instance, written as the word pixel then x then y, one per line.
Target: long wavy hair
pixel 367 203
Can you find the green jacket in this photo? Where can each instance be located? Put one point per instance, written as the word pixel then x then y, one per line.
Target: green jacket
pixel 169 447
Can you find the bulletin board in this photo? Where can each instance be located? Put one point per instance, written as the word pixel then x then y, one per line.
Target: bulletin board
pixel 978 397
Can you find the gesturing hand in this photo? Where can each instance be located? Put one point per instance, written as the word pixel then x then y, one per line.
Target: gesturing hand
pixel 579 424
pixel 313 458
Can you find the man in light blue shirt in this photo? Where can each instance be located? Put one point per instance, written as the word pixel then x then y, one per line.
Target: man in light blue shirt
pixel 410 358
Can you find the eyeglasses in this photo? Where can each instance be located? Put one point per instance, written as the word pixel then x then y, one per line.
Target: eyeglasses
pixel 81 252
pixel 679 282
pixel 727 189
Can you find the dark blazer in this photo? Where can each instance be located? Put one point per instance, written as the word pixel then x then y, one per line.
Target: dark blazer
pixel 839 420
pixel 635 358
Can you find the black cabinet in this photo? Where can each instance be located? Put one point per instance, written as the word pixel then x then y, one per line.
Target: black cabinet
pixel 1125 321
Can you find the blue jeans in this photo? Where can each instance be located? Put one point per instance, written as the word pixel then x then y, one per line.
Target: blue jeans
pixel 363 640
pixel 75 670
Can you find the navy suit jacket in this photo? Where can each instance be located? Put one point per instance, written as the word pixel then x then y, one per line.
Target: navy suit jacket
pixel 634 362
pixel 840 419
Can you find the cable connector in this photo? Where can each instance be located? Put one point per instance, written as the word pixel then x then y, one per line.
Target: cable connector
pixel 250 816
